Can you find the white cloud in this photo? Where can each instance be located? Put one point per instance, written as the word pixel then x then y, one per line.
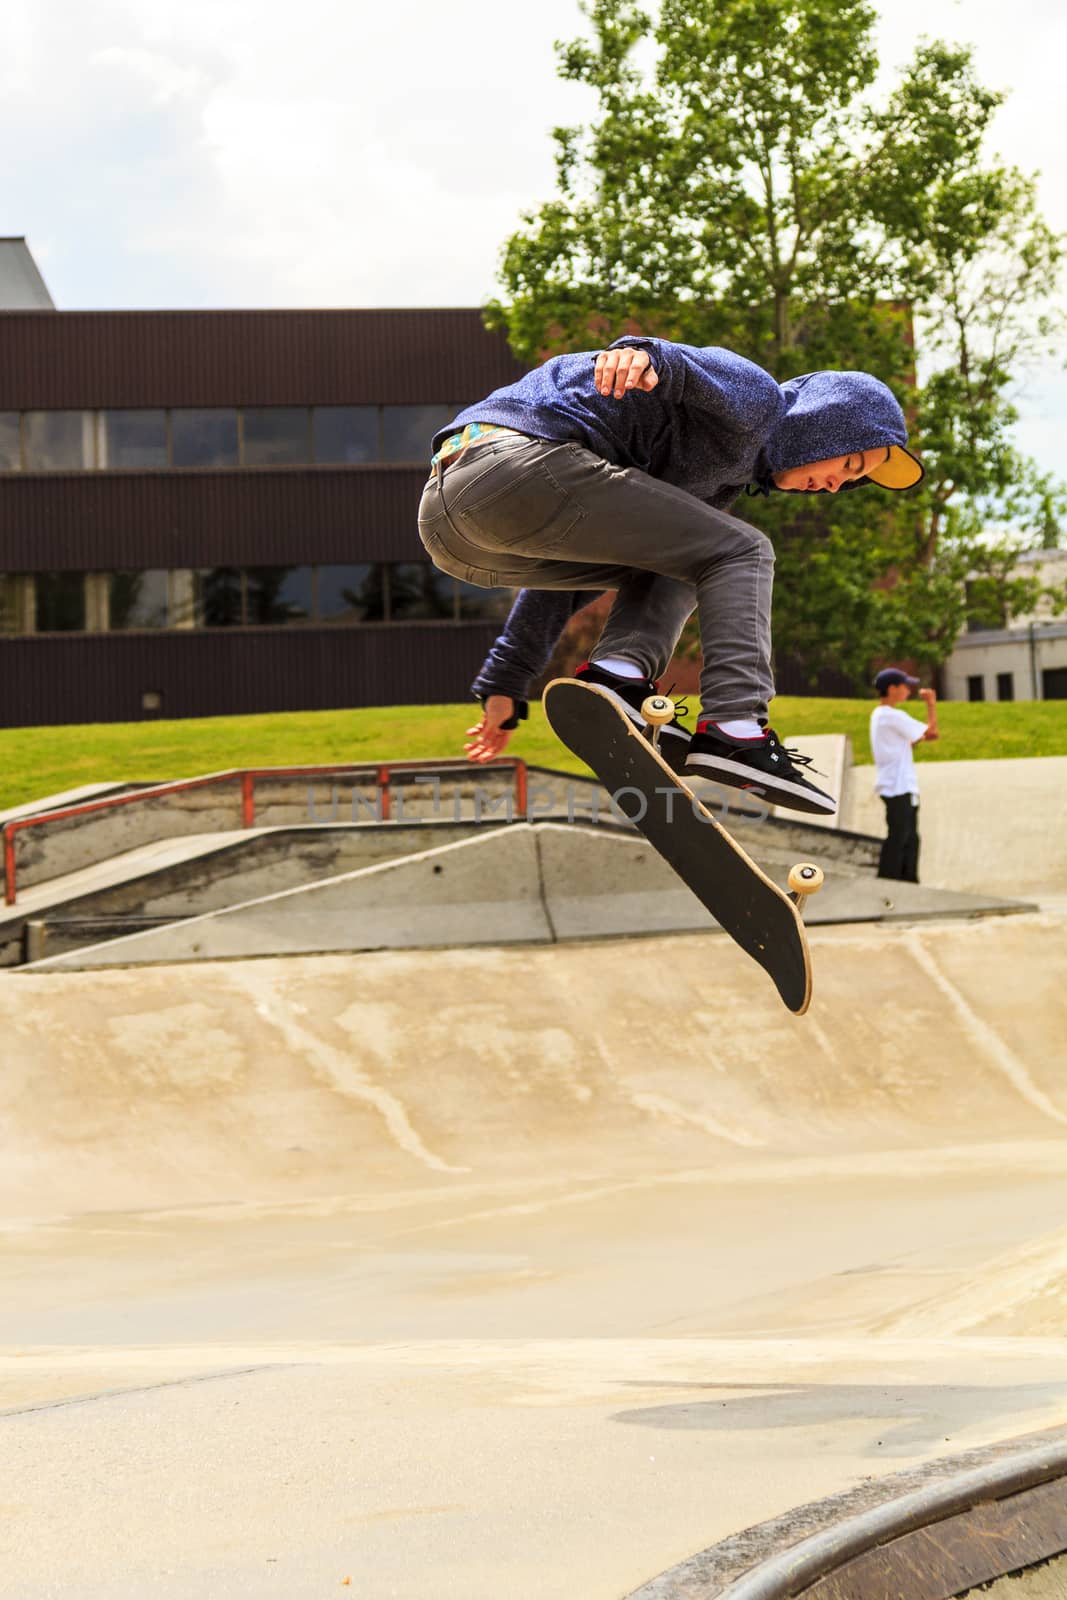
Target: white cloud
pixel 166 80
pixel 225 152
pixel 253 154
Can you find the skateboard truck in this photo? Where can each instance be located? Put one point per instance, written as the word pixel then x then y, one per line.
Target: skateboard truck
pixel 657 710
pixel 804 879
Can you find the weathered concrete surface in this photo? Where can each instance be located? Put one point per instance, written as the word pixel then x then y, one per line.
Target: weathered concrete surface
pixel 476 891
pixel 63 845
pixel 69 844
pixel 64 797
pixel 116 887
pixel 465 1469
pixel 987 827
pixel 530 1271
pixel 523 883
pixel 187 876
pixel 913 1035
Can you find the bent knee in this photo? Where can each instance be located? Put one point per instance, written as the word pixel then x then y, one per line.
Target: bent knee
pixel 761 547
pixel 750 547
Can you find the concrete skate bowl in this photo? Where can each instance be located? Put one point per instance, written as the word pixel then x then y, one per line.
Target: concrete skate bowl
pixel 593 1254
pixel 537 1076
pixel 470 1070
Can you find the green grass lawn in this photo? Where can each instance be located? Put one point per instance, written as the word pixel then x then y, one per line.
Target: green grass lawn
pixel 35 762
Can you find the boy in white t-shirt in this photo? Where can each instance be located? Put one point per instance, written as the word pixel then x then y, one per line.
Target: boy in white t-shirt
pixel 893 733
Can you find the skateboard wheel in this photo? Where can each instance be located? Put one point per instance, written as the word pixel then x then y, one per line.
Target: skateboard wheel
pixel 805 878
pixel 657 709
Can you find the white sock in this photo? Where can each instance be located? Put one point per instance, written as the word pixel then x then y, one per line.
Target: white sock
pixel 742 728
pixel 621 668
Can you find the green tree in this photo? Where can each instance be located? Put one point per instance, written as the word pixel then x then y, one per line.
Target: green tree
pixel 739 185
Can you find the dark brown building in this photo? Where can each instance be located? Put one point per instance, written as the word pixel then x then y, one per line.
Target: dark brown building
pixel 204 513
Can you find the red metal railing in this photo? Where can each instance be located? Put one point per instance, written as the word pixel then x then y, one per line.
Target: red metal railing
pixel 247 777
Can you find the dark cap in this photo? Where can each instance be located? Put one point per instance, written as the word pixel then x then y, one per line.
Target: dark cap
pixel 892 675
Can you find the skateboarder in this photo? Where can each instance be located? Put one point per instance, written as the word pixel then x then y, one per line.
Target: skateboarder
pixel 614 470
pixel 893 733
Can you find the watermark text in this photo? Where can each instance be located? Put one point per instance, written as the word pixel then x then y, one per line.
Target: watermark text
pixel 422 799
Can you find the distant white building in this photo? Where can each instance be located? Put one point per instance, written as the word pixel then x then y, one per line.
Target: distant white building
pixel 21 286
pixel 1026 660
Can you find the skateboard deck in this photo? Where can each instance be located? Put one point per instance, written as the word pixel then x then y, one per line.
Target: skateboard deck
pixel 763 919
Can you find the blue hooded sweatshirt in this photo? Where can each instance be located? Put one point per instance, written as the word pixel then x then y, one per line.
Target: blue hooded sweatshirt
pixel 714 424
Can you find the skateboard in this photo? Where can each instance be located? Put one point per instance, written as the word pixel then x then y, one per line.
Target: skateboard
pixel 765 921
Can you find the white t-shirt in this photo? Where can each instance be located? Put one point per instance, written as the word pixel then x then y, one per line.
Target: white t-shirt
pixel 893 733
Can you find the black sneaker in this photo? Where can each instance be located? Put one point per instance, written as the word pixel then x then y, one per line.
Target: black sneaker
pixel 762 766
pixel 629 693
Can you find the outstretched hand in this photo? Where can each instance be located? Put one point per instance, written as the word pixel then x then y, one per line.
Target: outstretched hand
pixel 487 739
pixel 619 371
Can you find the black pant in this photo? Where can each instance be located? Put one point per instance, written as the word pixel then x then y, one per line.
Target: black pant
pixel 900 851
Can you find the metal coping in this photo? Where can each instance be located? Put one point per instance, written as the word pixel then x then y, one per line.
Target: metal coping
pixel 947 1489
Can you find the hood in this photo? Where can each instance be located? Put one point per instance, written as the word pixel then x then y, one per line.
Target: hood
pixel 831 414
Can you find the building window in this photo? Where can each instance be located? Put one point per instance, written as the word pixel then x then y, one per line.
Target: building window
pixel 276 595
pixel 97 585
pixel 276 436
pixel 138 600
pixel 60 602
pixel 419 592
pixel 219 597
pixel 9 603
pixel 408 430
pixel 18 598
pixel 204 438
pixel 1005 686
pixel 976 688
pixel 10 447
pixel 483 605
pixel 59 441
pixel 345 435
pixel 152 439
pixel 182 590
pixel 1054 683
pixel 230 597
pixel 133 439
pixel 352 593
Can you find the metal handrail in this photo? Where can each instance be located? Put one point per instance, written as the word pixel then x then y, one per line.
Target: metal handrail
pixel 247 777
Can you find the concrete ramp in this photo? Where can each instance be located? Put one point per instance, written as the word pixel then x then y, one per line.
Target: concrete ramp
pixel 477 891
pixel 184 1085
pixel 526 1271
pixel 524 883
pixel 173 879
pixel 64 798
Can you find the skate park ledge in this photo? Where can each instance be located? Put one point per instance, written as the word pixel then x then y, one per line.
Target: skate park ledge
pixel 519 883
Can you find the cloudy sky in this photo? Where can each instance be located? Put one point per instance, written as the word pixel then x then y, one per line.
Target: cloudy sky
pixel 194 153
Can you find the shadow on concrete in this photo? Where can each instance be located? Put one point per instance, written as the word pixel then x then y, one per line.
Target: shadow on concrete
pixel 908 1416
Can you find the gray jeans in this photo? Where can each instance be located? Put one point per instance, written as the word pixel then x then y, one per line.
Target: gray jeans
pixel 526 513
